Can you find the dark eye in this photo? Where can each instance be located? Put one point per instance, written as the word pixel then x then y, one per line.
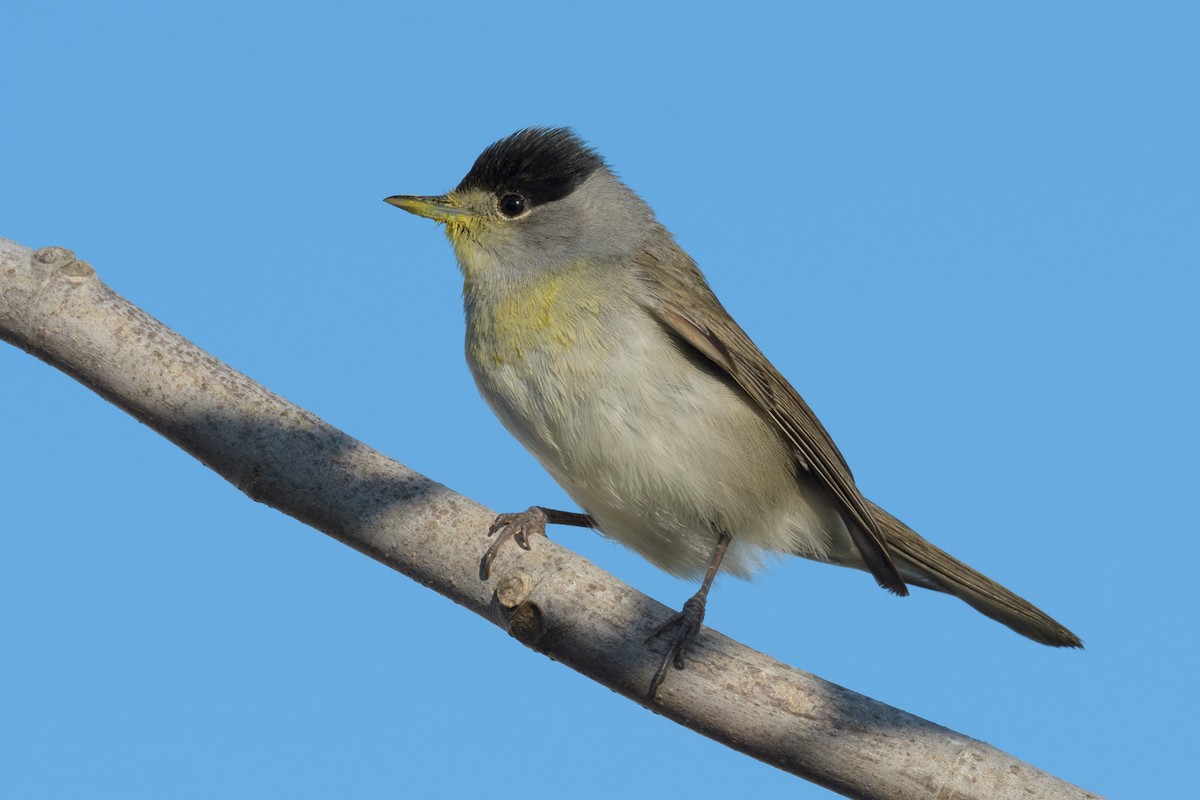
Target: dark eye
pixel 512 205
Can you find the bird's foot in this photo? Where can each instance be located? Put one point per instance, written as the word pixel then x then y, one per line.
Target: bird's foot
pixel 517 526
pixel 680 630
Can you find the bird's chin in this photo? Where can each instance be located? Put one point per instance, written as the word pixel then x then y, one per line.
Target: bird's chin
pixel 461 237
pixel 473 258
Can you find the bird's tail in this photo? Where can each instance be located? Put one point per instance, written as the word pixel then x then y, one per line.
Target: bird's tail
pixel 922 564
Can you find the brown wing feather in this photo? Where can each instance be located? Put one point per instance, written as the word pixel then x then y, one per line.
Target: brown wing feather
pixel 708 328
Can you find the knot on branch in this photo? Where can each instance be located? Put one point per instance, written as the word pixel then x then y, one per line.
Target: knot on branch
pixel 62 261
pixel 524 618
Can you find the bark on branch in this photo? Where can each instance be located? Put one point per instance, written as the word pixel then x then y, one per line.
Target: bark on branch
pixel 56 308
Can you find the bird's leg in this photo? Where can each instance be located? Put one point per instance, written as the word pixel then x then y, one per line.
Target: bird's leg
pixel 686 624
pixel 521 525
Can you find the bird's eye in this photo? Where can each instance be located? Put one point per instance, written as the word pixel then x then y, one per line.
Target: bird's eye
pixel 512 205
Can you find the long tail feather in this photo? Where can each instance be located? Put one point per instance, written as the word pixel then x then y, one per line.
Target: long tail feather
pixel 925 565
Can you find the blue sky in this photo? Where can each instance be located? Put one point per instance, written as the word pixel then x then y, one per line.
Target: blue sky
pixel 968 235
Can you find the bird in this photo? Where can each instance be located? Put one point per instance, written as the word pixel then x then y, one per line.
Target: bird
pixel 598 343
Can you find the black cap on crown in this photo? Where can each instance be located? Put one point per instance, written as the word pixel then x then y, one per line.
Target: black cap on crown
pixel 541 164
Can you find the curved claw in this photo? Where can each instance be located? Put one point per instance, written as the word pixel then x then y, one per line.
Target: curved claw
pixel 686 624
pixel 518 527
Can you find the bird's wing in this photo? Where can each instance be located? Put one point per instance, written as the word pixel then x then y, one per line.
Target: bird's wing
pixel 708 328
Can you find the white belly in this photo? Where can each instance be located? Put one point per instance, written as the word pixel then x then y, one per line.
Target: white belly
pixel 662 454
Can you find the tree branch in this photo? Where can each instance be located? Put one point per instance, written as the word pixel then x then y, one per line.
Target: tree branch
pixel 553 601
